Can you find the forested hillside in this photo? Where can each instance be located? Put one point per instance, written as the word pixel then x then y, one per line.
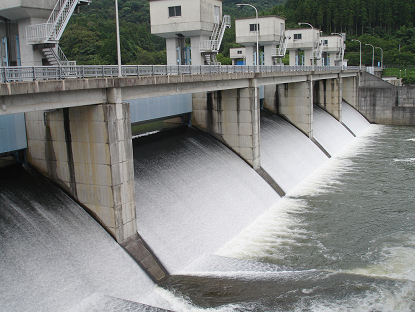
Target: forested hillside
pixel 90 36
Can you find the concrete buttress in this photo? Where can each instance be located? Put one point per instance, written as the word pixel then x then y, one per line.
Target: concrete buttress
pixel 87 150
pixel 232 116
pixel 295 103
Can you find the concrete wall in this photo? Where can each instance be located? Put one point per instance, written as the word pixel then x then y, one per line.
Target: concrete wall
pixel 232 116
pixel 383 103
pixel 88 151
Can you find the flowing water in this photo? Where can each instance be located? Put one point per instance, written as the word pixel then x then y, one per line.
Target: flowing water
pixel 342 240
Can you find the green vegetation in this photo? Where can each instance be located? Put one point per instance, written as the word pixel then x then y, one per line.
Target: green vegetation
pixel 407 74
pixel 389 24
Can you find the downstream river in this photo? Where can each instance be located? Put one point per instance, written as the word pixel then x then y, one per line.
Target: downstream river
pixel 342 240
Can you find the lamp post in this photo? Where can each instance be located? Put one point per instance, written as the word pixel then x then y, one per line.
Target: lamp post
pixel 342 45
pixel 257 32
pixel 373 55
pixel 312 49
pixel 118 39
pixel 360 64
pixel 381 58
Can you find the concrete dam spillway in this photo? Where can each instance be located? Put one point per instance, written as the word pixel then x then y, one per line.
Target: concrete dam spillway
pixel 193 195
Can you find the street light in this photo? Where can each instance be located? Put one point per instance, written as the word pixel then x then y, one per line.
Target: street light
pixel 343 36
pixel 360 64
pixel 118 39
pixel 312 49
pixel 257 32
pixel 373 55
pixel 381 58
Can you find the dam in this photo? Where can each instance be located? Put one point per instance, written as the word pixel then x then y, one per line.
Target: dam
pixel 219 227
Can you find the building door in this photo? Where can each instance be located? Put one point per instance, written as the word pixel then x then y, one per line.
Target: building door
pixel 216 14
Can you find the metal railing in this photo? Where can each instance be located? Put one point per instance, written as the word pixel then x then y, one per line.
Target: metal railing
pixel 32 73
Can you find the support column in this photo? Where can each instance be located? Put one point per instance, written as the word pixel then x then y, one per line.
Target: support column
pixel 295 102
pixel 88 151
pixel 249 55
pixel 307 57
pixel 268 54
pixel 293 54
pixel 270 95
pixel 232 116
pixel 196 55
pixel 331 96
pixel 350 90
pixel 171 51
pixel 29 56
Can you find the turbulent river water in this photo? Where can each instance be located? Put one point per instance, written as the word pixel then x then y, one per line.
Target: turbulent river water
pixel 342 240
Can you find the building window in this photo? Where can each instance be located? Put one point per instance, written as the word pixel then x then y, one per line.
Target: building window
pixel 297 36
pixel 325 42
pixel 239 52
pixel 175 11
pixel 253 27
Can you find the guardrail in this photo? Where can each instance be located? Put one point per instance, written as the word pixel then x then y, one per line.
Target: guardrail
pixel 32 73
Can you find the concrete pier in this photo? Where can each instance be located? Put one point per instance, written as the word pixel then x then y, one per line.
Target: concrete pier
pixel 329 96
pixel 232 116
pixel 350 87
pixel 295 102
pixel 88 151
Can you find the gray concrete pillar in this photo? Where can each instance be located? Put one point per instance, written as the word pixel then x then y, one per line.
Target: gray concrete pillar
pixel 330 96
pixel 308 59
pixel 250 55
pixel 29 56
pixel 196 55
pixel 232 116
pixel 350 90
pixel 88 151
pixel 268 61
pixel 295 102
pixel 270 94
pixel 293 54
pixel 171 46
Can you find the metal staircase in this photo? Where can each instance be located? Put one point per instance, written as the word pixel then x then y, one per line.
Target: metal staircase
pixel 56 57
pixel 282 47
pixel 318 52
pixel 51 31
pixel 209 48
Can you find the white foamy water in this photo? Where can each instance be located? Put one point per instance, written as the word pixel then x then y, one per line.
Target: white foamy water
pixel 287 155
pixel 53 254
pixel 196 195
pixel 331 134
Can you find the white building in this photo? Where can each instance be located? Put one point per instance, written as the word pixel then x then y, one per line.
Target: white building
pixel 307 45
pixel 333 50
pixel 304 45
pixel 195 25
pixel 271 30
pixel 238 56
pixel 31 29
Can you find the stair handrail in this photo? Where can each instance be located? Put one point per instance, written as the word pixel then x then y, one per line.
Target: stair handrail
pixel 215 41
pixel 51 31
pixel 282 47
pixel 318 51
